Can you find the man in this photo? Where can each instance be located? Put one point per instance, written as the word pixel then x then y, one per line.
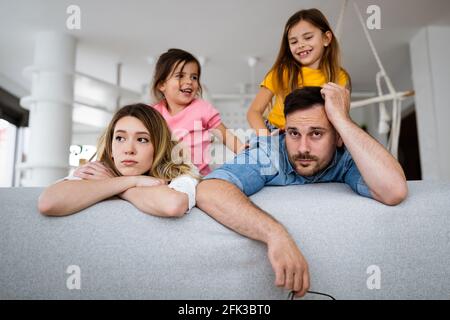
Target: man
pixel 318 125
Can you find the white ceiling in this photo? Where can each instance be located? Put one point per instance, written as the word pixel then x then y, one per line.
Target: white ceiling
pixel 226 32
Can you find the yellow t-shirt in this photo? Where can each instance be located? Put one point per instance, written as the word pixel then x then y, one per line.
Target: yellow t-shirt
pixel 311 77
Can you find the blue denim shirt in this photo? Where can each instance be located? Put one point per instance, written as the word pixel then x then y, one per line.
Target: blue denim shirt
pixel 266 163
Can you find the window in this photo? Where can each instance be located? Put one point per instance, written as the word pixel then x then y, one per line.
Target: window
pixel 7 151
pixel 80 154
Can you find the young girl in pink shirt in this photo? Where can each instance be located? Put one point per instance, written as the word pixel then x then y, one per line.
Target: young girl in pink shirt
pixel 176 85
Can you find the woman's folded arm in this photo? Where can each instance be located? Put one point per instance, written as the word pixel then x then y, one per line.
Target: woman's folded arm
pixel 70 196
pixel 158 200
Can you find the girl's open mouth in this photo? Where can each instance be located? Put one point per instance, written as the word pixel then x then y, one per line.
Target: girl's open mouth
pixel 304 53
pixel 186 90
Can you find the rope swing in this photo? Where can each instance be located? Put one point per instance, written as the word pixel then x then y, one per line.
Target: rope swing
pixel 387 123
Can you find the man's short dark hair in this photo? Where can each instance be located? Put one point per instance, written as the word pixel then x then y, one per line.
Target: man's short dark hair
pixel 303 98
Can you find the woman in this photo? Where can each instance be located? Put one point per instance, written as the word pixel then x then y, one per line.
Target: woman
pixel 136 163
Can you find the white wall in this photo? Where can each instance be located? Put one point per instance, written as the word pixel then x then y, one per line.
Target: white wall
pixel 7 145
pixel 430 52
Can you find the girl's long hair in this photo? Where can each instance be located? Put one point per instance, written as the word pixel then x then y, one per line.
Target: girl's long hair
pixel 163 166
pixel 285 64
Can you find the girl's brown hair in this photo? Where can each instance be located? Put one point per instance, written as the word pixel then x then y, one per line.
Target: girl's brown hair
pixel 286 65
pixel 163 166
pixel 167 64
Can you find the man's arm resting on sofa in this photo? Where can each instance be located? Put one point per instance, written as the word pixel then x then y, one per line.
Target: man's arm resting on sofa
pixel 380 170
pixel 228 205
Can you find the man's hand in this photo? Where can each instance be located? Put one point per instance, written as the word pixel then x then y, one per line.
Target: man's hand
pixel 289 265
pixel 224 202
pixel 337 102
pixel 93 171
pixel 381 172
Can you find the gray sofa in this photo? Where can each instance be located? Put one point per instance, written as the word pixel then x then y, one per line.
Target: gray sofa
pixel 125 254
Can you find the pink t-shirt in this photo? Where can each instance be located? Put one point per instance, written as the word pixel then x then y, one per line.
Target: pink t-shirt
pixel 191 126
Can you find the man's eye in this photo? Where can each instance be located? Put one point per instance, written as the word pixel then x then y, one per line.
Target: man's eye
pixel 294 133
pixel 317 134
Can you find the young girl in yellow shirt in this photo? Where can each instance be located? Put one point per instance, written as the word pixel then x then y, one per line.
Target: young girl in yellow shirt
pixel 309 56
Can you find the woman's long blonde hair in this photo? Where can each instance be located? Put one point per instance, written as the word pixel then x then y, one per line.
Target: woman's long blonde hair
pixel 163 166
pixel 286 65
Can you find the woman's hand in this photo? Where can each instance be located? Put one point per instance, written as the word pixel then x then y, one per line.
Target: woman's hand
pixel 146 181
pixel 143 181
pixel 93 171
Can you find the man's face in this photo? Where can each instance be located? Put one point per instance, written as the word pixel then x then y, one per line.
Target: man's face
pixel 311 140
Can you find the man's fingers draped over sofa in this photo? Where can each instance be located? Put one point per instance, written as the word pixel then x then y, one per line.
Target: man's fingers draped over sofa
pixel 289 265
pixel 227 204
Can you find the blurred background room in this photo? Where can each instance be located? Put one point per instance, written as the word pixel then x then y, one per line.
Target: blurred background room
pixel 66 66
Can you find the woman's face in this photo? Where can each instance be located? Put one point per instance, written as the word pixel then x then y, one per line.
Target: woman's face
pixel 132 149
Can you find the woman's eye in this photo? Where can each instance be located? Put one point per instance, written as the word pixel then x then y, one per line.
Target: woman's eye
pixel 309 38
pixel 119 138
pixel 143 140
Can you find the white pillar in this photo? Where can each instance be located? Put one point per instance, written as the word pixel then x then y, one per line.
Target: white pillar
pixel 430 52
pixel 50 106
